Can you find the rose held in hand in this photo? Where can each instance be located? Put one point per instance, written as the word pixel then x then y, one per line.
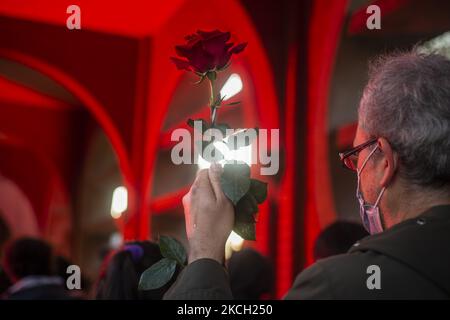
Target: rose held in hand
pixel 209 216
pixel 206 51
pixel 220 200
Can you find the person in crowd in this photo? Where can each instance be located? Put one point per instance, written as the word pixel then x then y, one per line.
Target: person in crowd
pixel 251 275
pixel 337 238
pixel 5 235
pixel 17 210
pixel 401 157
pixel 62 266
pixel 30 265
pixel 119 277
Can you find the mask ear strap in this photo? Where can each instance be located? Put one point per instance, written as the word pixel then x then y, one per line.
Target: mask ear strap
pixel 368 157
pixel 379 196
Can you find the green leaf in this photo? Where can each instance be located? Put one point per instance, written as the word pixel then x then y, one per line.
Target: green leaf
pixel 233 103
pixel 158 274
pixel 172 249
pixel 191 123
pixel 235 180
pixel 246 230
pixel 246 208
pixel 219 101
pixel 225 67
pixel 202 77
pixel 242 139
pixel 259 190
pixel 212 75
pixel 222 127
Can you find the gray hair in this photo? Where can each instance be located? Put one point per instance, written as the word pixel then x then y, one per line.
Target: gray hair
pixel 407 101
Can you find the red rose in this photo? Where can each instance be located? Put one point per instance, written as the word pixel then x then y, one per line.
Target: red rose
pixel 206 51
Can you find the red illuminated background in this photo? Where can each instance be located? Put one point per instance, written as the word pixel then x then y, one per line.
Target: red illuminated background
pixel 84 111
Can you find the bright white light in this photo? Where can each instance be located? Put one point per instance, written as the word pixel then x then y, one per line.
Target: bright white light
pixel 231 87
pixel 115 240
pixel 243 154
pixel 119 202
pixel 234 243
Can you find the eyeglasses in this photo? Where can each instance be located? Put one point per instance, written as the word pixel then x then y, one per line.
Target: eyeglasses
pixel 350 158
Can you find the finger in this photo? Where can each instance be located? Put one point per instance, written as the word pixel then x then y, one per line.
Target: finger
pixel 186 200
pixel 202 185
pixel 214 172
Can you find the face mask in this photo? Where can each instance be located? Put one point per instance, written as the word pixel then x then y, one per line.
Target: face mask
pixel 370 214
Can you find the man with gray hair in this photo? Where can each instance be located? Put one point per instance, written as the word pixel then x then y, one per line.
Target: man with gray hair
pixel 401 156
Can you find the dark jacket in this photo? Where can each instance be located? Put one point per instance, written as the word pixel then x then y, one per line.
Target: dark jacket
pixel 38 288
pixel 48 292
pixel 413 258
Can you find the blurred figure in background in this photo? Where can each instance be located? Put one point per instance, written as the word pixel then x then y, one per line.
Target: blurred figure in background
pixel 122 270
pixel 5 234
pixel 30 265
pixel 338 238
pixel 251 275
pixel 16 210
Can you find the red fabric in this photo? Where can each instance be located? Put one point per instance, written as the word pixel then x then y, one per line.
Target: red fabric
pixel 325 30
pixel 285 240
pixel 34 146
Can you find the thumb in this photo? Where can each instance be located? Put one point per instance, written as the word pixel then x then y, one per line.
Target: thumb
pixel 215 172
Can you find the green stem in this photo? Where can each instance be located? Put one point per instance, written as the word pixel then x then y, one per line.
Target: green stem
pixel 212 105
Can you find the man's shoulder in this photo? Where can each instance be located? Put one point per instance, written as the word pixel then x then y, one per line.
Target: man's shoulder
pixel 362 275
pixel 329 278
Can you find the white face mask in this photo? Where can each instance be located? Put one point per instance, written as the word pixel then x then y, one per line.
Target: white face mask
pixel 370 214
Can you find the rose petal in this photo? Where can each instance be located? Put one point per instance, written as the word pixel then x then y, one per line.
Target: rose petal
pixel 190 37
pixel 205 35
pixel 184 51
pixel 206 51
pixel 181 64
pixel 238 48
pixel 200 59
pixel 224 59
pixel 215 46
pixel 202 63
pixel 192 40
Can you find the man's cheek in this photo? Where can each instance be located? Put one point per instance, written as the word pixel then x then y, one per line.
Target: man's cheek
pixel 368 189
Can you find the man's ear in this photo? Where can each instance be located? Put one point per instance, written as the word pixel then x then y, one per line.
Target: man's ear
pixel 389 162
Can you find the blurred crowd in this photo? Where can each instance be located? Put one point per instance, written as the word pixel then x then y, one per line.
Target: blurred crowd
pixel 31 269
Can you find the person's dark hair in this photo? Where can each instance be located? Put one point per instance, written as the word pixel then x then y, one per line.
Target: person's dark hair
pixel 122 270
pixel 338 238
pixel 251 275
pixel 407 101
pixel 28 257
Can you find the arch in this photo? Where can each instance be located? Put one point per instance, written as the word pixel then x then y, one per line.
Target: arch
pixel 54 178
pixel 86 99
